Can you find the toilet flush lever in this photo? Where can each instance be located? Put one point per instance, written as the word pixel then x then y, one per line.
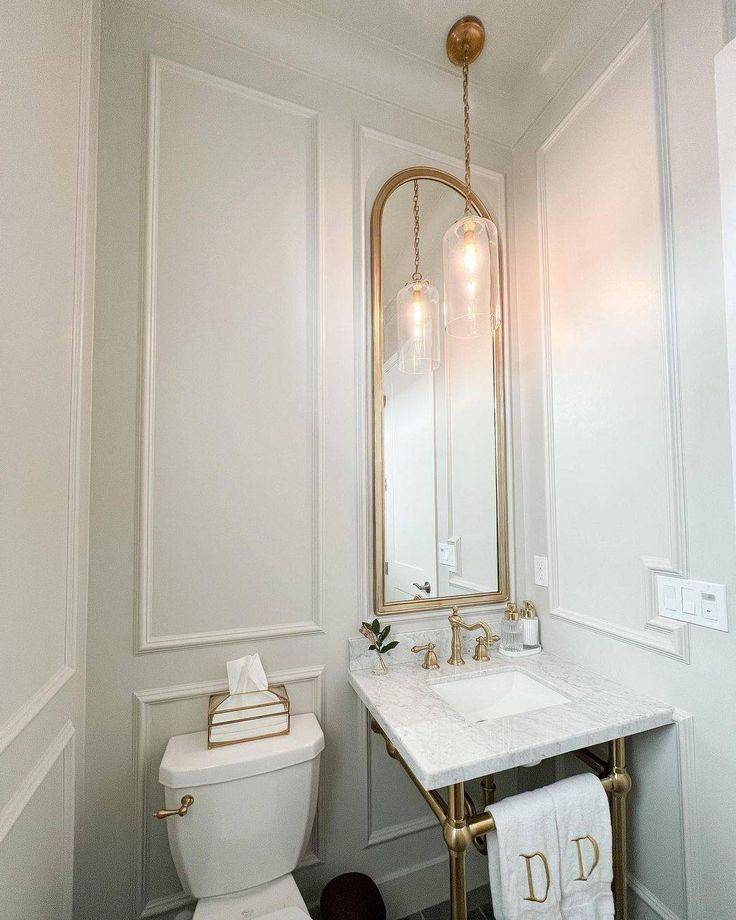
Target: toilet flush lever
pixel 186 802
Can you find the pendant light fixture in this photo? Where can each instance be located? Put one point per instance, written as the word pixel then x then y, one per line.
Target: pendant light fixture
pixel 470 246
pixel 417 312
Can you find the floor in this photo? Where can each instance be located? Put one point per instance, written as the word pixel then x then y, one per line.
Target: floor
pixel 479 908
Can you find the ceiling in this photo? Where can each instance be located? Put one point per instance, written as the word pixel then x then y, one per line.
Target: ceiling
pixel 518 32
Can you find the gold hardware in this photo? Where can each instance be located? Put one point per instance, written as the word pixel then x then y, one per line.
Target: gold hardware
pixel 430 662
pixel 186 803
pixel 511 612
pixel 528 611
pixel 417 276
pixel 459 829
pixel 484 643
pixel 465 40
pixel 382 606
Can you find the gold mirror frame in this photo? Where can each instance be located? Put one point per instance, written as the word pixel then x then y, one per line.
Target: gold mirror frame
pixel 466 600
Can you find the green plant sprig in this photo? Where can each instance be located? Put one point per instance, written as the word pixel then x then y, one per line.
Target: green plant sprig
pixel 377 635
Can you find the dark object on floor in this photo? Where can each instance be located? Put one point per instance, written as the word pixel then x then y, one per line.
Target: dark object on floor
pixel 352 896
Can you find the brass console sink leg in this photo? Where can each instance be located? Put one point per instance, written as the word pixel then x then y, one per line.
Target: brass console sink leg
pixel 621 786
pixel 488 787
pixel 456 838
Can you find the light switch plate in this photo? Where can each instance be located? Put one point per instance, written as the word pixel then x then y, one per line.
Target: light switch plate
pixel 541 571
pixel 698 602
pixel 448 552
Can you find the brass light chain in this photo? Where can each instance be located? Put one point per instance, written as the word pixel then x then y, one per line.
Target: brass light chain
pixel 466 125
pixel 417 276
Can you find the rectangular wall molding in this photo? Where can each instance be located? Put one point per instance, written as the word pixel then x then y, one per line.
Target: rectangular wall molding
pixel 82 300
pixel 655 634
pixel 144 700
pixel 61 747
pixel 378 835
pixel 148 640
pixel 651 900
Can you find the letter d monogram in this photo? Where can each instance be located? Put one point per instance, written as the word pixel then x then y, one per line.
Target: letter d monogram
pixel 584 876
pixel 532 894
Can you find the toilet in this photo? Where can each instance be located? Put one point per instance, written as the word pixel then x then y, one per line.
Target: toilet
pixel 252 814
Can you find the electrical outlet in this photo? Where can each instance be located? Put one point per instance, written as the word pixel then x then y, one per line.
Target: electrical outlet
pixel 541 571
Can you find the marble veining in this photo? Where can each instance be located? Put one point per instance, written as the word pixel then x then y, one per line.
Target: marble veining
pixel 441 747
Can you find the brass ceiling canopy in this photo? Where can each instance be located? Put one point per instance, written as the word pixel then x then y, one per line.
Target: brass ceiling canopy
pixel 465 40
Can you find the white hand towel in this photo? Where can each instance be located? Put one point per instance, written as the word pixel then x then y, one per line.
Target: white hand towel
pixel 523 858
pixel 586 855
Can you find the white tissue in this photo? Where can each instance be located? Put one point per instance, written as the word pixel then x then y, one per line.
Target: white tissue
pixel 246 674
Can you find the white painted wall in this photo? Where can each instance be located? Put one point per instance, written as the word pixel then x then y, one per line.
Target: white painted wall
pixel 49 62
pixel 726 114
pixel 230 501
pixel 625 437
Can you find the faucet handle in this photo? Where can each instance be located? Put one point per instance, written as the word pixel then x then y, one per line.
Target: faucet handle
pixel 430 662
pixel 482 646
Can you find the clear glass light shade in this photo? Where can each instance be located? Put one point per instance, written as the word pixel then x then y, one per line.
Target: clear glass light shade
pixel 472 283
pixel 418 320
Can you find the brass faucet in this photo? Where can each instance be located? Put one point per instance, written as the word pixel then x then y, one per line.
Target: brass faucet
pixel 481 646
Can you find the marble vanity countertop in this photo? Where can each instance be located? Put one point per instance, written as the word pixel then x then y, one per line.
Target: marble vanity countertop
pixel 441 747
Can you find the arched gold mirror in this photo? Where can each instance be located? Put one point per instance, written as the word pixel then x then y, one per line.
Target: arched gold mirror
pixel 440 515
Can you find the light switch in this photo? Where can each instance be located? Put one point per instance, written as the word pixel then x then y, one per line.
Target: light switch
pixel 698 602
pixel 709 606
pixel 689 601
pixel 448 554
pixel 669 598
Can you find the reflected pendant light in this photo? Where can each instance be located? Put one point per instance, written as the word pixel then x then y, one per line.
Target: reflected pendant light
pixel 470 246
pixel 417 312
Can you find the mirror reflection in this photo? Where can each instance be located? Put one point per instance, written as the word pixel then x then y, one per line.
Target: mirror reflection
pixel 439 518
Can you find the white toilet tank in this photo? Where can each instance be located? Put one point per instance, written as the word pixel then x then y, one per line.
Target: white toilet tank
pixel 253 808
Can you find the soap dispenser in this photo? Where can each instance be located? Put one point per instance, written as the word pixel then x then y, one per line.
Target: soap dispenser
pixel 512 631
pixel 530 625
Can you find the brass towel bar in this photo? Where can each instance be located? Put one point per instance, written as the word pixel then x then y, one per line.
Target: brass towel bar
pixel 461 826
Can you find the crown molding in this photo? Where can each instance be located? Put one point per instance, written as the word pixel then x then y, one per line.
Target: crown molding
pixel 289 37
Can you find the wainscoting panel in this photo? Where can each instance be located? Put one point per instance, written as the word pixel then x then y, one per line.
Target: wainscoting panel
pixel 176 710
pixel 229 426
pixel 612 396
pixel 37 836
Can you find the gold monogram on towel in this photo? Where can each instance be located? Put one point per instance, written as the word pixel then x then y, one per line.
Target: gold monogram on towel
pixel 584 876
pixel 530 880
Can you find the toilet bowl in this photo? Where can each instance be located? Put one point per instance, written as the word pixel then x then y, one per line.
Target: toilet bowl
pixel 251 816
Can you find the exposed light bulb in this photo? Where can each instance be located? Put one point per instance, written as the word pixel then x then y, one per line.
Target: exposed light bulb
pixel 418 308
pixel 470 250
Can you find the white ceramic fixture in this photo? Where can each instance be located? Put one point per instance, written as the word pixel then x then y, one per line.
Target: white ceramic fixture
pixel 247 828
pixel 491 696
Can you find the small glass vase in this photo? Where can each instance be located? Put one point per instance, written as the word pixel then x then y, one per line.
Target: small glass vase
pixel 381 667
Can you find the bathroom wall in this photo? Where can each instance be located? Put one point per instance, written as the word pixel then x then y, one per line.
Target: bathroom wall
pixel 49 61
pixel 625 438
pixel 230 476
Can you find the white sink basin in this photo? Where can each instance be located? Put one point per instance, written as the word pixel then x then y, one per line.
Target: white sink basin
pixel 491 696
